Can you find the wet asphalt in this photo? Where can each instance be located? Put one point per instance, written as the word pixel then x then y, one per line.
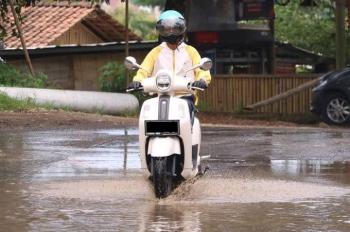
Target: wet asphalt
pixel 260 179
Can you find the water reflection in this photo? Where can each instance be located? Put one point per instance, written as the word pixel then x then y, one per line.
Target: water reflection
pixel 85 153
pixel 160 217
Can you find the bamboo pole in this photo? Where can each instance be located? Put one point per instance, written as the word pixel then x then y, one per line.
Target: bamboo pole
pixel 283 95
pixel 19 29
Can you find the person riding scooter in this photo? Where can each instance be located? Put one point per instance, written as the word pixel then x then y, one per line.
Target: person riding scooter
pixel 173 54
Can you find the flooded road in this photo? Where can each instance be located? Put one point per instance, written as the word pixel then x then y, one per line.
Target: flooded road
pixel 259 180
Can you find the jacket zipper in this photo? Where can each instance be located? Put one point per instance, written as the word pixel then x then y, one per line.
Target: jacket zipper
pixel 174 62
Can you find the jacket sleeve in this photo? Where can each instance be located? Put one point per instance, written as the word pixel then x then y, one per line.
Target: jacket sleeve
pixel 147 64
pixel 199 74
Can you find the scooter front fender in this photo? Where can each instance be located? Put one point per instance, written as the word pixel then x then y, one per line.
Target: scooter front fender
pixel 163 146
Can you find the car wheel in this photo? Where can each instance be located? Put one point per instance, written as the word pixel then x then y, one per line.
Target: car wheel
pixel 336 109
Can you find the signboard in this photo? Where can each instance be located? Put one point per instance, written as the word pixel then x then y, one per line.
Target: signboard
pixel 254 9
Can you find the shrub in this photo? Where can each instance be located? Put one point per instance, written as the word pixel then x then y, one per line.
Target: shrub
pixel 10 76
pixel 112 77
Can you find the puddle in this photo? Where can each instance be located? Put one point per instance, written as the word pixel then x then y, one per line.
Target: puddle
pixel 259 180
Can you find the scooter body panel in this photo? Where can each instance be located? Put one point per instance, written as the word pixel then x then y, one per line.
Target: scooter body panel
pixel 169 108
pixel 163 146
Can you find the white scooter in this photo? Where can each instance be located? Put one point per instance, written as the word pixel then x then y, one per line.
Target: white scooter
pixel 169 135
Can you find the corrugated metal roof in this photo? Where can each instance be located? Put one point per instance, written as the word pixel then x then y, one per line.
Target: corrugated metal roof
pixel 79 49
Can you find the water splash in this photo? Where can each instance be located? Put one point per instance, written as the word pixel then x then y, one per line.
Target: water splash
pixel 126 189
pixel 250 190
pixel 203 190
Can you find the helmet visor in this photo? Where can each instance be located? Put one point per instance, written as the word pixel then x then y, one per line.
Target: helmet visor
pixel 171 26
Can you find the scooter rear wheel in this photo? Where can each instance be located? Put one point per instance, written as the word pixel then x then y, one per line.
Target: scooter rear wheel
pixel 162 179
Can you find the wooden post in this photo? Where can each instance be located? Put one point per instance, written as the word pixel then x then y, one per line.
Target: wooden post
pixel 340 34
pixel 283 95
pixel 272 53
pixel 127 39
pixel 19 29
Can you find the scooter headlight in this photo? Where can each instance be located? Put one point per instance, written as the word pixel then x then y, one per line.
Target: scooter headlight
pixel 163 81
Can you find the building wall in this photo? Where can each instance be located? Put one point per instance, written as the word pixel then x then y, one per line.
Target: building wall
pixel 78 34
pixel 86 68
pixel 57 68
pixel 78 72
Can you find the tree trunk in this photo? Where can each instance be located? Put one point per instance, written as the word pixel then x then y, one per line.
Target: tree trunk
pixel 283 95
pixel 19 29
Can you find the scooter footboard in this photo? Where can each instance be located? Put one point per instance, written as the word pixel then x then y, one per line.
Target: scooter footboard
pixel 164 146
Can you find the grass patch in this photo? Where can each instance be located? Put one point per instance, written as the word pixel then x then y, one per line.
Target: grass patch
pixel 8 103
pixel 11 104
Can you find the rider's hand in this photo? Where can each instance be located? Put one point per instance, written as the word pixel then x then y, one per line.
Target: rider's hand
pixel 200 84
pixel 134 85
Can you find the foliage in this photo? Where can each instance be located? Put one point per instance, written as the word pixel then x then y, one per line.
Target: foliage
pixel 4 16
pixel 10 76
pixel 312 28
pixel 303 69
pixel 112 78
pixel 141 21
pixel 152 3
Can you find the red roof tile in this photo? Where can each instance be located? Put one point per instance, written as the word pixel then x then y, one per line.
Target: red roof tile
pixel 43 24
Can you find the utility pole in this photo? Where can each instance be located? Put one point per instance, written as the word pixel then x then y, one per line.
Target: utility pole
pixel 340 34
pixel 126 38
pixel 19 29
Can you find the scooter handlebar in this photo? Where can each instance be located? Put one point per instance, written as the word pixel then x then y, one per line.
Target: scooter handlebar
pixel 128 90
pixel 197 88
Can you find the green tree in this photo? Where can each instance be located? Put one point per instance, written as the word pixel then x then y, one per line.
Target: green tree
pixel 311 28
pixel 152 3
pixel 112 78
pixel 140 21
pixel 4 14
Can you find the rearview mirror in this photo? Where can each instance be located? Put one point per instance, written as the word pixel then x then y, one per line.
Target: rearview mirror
pixel 205 64
pixel 131 63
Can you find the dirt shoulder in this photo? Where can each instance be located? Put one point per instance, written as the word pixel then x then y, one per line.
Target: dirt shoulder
pixel 58 119
pixel 52 119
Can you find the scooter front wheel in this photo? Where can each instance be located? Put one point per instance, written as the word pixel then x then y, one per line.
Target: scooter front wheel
pixel 162 179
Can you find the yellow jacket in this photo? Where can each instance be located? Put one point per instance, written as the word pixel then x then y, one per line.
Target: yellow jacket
pixel 178 60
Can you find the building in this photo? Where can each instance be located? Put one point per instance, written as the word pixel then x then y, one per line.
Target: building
pixel 64 41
